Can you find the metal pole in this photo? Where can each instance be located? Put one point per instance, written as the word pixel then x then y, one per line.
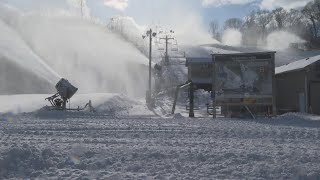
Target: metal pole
pixel 306 90
pixel 214 87
pixel 191 101
pixel 167 59
pixel 274 89
pixel 150 59
pixel 81 4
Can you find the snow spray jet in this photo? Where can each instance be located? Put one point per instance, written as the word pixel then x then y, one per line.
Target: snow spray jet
pixel 13 48
pixel 85 52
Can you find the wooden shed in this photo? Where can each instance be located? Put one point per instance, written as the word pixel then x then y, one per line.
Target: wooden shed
pixel 298 86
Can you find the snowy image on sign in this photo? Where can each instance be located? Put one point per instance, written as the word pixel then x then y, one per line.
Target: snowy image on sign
pixel 244 77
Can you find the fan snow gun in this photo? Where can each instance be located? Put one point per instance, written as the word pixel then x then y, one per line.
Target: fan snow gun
pixel 65 91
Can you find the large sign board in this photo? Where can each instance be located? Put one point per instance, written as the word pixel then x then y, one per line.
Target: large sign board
pixel 243 79
pixel 200 72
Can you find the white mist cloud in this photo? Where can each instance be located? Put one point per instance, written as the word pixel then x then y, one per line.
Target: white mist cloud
pixel 264 4
pixel 117 4
pixel 190 29
pixel 217 3
pixel 94 59
pixel 287 4
pixel 232 37
pixel 282 40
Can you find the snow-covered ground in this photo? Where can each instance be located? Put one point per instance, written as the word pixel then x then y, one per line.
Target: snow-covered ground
pixel 148 147
pixel 102 102
pixel 124 139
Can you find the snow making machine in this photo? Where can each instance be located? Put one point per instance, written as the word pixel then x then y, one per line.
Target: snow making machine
pixel 65 91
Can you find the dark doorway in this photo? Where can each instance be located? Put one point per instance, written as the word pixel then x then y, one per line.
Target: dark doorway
pixel 315 97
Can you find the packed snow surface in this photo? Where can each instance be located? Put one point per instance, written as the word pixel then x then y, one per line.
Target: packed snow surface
pixel 147 147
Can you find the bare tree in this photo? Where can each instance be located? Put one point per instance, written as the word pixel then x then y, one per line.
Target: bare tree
pixel 263 19
pixel 310 11
pixel 215 29
pixel 250 29
pixel 280 15
pixel 234 23
pixel 250 20
pixel 293 19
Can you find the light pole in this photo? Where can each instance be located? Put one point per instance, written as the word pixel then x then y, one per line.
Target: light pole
pixel 81 7
pixel 149 91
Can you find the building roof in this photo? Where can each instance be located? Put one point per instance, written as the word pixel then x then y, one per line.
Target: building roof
pixel 193 60
pixel 244 53
pixel 297 65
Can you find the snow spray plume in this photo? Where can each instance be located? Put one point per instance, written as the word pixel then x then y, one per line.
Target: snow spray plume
pixel 15 49
pixel 85 53
pixel 190 30
pixel 232 37
pixel 281 40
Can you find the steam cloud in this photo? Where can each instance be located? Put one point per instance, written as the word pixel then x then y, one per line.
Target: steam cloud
pixel 264 4
pixel 281 40
pixel 224 2
pixel 232 37
pixel 117 4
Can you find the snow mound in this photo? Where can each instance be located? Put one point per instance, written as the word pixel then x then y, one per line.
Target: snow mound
pixel 103 103
pixel 118 105
pixel 298 117
pixel 178 116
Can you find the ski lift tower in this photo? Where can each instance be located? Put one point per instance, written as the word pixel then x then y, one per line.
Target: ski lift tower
pixel 167 38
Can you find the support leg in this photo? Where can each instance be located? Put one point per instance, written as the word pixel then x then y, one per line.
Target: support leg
pixel 191 100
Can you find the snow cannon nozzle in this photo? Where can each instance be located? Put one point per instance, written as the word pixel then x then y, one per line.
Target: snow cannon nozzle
pixel 65 89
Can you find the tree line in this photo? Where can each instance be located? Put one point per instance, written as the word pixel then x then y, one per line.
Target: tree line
pixel 256 26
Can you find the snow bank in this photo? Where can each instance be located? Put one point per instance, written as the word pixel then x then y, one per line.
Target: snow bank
pixel 111 104
pixel 292 117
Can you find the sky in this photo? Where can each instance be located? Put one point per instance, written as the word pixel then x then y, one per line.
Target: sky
pixel 146 12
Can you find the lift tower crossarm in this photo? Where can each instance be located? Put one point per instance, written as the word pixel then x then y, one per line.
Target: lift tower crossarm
pixel 167 39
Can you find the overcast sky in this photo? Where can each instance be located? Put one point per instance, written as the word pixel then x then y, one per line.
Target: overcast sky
pixel 163 11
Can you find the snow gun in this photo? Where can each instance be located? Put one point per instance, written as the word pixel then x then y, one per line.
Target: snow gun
pixel 65 91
